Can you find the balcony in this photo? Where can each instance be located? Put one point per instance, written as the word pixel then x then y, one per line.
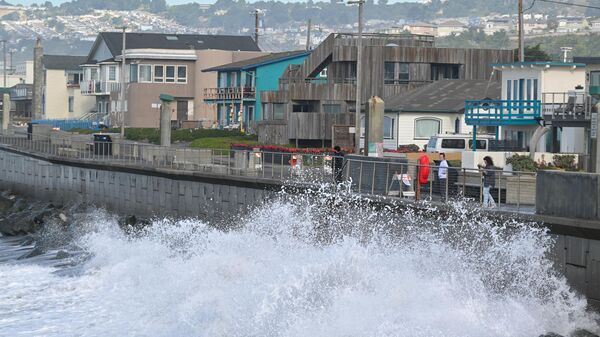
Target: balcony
pixel 21 93
pixel 228 94
pixel 502 112
pixel 567 108
pixel 89 88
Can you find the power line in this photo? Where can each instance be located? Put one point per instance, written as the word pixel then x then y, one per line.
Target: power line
pixel 570 4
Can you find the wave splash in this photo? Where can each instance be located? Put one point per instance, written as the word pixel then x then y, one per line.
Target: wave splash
pixel 299 266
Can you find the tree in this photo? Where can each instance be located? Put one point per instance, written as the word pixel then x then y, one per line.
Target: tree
pixel 382 2
pixel 157 6
pixel 534 53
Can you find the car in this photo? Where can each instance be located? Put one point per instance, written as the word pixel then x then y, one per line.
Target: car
pixel 457 142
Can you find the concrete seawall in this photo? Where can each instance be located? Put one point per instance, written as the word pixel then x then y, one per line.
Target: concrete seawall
pixel 131 191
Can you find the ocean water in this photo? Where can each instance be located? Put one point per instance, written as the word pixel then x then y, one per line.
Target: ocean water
pixel 292 267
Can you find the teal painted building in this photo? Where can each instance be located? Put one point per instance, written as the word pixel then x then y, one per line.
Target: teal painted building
pixel 240 84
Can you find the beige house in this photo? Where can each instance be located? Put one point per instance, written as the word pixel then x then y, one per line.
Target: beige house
pixel 62 98
pixel 420 28
pixel 448 28
pixel 160 64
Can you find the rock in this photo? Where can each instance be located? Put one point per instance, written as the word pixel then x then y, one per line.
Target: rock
pixel 62 217
pixel 6 203
pixel 583 333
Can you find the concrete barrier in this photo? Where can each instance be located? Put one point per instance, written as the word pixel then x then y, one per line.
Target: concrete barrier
pixel 567 194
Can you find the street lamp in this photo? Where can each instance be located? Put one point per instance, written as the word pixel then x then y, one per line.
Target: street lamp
pixel 357 123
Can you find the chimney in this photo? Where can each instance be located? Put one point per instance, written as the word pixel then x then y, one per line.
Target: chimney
pixel 38 80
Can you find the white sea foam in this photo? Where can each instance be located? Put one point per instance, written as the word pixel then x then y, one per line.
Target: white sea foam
pixel 299 268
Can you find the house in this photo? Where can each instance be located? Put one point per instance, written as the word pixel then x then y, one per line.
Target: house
pixel 594 24
pixel 420 28
pixel 448 28
pixel 160 64
pixel 538 96
pixel 412 118
pixel 240 84
pixel 306 104
pixel 62 98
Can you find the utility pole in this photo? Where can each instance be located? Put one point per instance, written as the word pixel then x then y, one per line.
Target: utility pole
pixel 521 36
pixel 12 65
pixel 308 35
pixel 256 14
pixel 122 112
pixel 4 62
pixel 360 4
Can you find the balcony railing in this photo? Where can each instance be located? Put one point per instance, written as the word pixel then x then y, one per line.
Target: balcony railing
pixel 99 88
pixel 21 94
pixel 233 93
pixel 566 106
pixel 502 112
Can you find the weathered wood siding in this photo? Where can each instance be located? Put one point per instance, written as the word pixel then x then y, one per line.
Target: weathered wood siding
pixel 314 125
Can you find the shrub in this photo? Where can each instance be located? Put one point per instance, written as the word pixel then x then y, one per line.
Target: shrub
pixel 565 162
pixel 522 163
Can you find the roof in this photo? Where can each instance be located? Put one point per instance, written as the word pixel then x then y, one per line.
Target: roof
pixel 540 64
pixel 259 61
pixel 114 42
pixel 443 96
pixel 587 59
pixel 451 23
pixel 63 62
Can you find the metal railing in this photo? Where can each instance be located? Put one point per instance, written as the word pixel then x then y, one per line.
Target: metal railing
pixel 502 112
pixel 396 179
pixel 279 166
pixel 510 190
pixel 99 87
pixel 564 104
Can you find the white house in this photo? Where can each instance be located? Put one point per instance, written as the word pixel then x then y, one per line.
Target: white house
pixel 557 85
pixel 412 118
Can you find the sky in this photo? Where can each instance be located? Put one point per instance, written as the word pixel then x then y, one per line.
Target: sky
pixel 170 2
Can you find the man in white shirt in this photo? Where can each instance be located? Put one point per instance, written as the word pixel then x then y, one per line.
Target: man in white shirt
pixel 443 176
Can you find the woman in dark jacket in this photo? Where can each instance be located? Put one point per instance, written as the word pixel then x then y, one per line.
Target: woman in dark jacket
pixel 338 164
pixel 489 181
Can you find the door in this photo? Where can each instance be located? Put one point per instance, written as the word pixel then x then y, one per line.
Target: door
pixel 182 109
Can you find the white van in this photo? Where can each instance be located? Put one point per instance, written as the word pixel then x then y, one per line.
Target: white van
pixel 457 142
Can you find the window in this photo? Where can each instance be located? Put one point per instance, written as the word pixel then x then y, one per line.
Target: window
pixel 181 74
pixel 71 102
pixel 159 73
pixel 396 72
pixel 133 73
pixel 222 80
pixel 427 127
pixel 481 144
pixel 278 111
pixel 332 108
pixel 169 74
pixel 453 143
pixel 145 73
pixel 508 89
pixel 94 74
pixel 442 71
pixel 528 91
pixel 73 78
pixel 112 73
pixel 388 127
pixel 535 89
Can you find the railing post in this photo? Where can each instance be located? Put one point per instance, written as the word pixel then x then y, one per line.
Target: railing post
pixel 518 191
pixel 360 177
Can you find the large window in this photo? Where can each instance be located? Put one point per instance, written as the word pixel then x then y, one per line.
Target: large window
pixel 112 73
pixel 278 111
pixel 169 74
pixel 443 71
pixel 450 143
pixel 71 103
pixel 332 108
pixel 133 73
pixel 388 127
pixel 396 72
pixel 427 127
pixel 94 74
pixel 181 74
pixel 159 74
pixel 145 73
pixel 73 78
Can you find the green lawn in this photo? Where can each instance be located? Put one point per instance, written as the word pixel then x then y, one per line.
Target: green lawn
pixel 223 142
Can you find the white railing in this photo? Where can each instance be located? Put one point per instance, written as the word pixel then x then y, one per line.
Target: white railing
pixel 99 87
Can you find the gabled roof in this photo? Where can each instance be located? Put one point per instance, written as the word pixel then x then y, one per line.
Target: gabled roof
pixel 259 61
pixel 443 96
pixel 66 62
pixel 114 42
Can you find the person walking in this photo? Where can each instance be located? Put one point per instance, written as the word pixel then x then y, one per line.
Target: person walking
pixel 337 164
pixel 443 176
pixel 489 181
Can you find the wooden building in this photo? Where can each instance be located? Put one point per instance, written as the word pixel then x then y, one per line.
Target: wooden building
pixel 319 93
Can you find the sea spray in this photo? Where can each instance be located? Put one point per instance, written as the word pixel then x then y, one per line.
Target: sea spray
pixel 311 264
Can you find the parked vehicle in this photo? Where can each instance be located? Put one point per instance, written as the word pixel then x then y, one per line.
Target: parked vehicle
pixel 457 143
